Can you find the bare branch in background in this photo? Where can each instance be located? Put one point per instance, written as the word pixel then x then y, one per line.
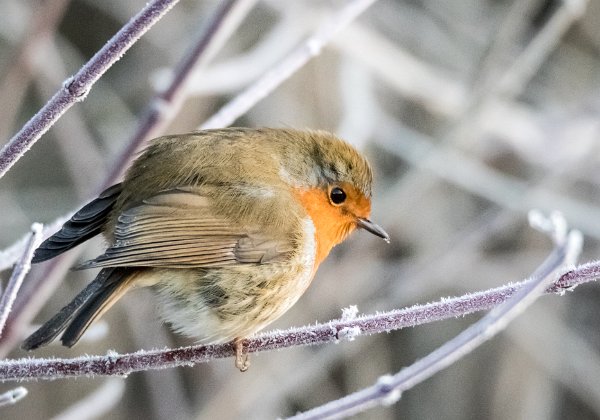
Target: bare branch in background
pixel 11 254
pixel 12 396
pixel 286 67
pixel 530 61
pixel 76 88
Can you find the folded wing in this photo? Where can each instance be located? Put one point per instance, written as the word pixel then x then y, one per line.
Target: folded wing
pixel 179 229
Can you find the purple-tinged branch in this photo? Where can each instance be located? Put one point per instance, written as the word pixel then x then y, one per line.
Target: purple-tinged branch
pixel 333 331
pixel 77 87
pixel 10 255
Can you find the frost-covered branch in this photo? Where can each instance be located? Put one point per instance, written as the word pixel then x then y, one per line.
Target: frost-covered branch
pixel 76 88
pixel 10 255
pixel 123 364
pixel 18 274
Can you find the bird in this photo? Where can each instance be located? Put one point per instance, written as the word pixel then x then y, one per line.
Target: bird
pixel 227 226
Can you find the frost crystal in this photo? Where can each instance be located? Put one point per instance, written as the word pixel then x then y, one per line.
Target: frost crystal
pixel 349 313
pixel 111 357
pixel 348 333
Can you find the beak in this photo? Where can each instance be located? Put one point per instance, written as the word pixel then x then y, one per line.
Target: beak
pixel 369 226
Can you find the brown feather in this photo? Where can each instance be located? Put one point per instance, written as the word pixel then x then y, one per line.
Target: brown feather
pixel 179 228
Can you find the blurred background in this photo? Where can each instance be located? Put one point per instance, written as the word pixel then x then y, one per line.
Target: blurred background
pixel 471 113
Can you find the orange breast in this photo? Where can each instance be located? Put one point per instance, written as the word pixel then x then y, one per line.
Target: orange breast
pixel 331 226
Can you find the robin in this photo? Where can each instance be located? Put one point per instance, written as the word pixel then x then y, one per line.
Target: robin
pixel 227 226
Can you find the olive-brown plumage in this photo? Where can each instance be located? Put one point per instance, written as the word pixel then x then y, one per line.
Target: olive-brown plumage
pixel 228 226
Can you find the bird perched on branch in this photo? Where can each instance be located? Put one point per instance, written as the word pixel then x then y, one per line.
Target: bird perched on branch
pixel 228 226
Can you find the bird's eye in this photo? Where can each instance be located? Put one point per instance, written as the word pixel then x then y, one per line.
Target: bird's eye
pixel 337 195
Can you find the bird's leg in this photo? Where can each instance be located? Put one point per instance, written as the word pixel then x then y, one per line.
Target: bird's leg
pixel 241 358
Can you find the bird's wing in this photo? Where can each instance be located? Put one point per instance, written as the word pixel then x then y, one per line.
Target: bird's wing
pixel 179 229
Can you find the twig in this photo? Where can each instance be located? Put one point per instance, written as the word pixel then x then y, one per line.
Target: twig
pixel 18 274
pixel 11 254
pixel 286 67
pixel 388 389
pixel 12 396
pixel 76 88
pixel 123 364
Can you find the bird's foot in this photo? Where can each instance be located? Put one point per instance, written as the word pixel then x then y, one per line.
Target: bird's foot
pixel 241 357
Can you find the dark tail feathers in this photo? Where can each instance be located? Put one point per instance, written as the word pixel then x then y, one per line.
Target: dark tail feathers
pixel 84 224
pixel 75 318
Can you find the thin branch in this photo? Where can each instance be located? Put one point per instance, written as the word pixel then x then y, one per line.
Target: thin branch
pixel 12 254
pixel 76 88
pixel 310 48
pixel 123 364
pixel 13 396
pixel 18 274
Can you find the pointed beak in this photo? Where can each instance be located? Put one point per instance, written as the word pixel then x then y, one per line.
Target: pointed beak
pixel 369 226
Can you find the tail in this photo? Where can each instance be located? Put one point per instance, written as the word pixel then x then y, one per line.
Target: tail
pixel 84 224
pixel 90 304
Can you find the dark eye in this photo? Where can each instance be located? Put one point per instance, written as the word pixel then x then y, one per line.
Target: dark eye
pixel 337 195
